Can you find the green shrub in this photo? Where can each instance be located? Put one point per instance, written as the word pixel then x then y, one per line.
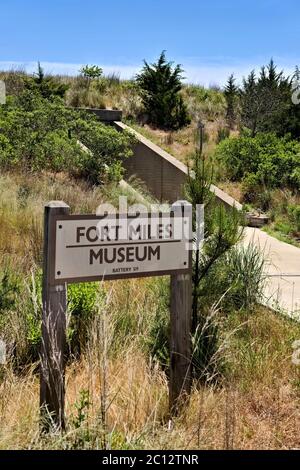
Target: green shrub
pixel 21 313
pixel 295 177
pixel 269 160
pixel 32 312
pixel 38 134
pixel 82 406
pixel 47 86
pixel 265 199
pixel 265 102
pixel 283 226
pixel 82 305
pixel 157 339
pixel 6 151
pixel 108 147
pixel 10 287
pixel 91 71
pixel 294 212
pixel 223 133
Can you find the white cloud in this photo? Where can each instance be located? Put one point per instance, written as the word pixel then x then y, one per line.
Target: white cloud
pixel 211 71
pixel 125 71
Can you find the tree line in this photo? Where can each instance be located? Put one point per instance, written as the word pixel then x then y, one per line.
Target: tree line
pixel 263 102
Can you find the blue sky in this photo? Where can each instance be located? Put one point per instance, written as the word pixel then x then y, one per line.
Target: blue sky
pixel 210 38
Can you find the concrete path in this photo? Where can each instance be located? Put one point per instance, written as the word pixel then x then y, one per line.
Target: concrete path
pixel 282 291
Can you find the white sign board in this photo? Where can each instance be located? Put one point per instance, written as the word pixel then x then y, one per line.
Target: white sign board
pixel 93 248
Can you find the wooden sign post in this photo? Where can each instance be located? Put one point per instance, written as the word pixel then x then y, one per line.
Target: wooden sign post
pixel 181 323
pixel 54 298
pixel 83 248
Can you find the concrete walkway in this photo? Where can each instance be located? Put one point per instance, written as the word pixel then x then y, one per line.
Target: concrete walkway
pixel 282 291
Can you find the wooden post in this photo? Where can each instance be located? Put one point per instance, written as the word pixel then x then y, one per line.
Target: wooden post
pixel 52 379
pixel 180 341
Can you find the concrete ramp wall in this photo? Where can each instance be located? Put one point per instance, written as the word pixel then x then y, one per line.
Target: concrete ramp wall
pixel 162 173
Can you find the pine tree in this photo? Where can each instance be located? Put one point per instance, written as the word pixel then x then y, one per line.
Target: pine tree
pixel 39 75
pixel 222 231
pixel 250 103
pixel 46 85
pixel 231 94
pixel 160 85
pixel 266 101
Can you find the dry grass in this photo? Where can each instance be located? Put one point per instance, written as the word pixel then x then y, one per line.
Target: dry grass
pixel 232 188
pixel 22 200
pixel 181 143
pixel 255 404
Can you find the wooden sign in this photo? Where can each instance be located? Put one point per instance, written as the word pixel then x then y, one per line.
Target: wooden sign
pixel 89 248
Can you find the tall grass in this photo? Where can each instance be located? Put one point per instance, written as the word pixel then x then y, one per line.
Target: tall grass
pixel 117 387
pixel 118 398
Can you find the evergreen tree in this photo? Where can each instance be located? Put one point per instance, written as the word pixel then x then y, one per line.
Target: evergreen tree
pixel 47 86
pixel 231 94
pixel 160 85
pixel 250 103
pixel 266 102
pixel 292 117
pixel 222 230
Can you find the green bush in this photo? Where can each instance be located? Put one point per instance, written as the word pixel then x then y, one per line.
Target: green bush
pixel 82 306
pixel 251 188
pixel 157 339
pixel 107 149
pixel 264 160
pixel 295 177
pixel 47 86
pixel 91 71
pixel 294 212
pixel 40 134
pixel 31 307
pixel 9 289
pixel 21 313
pixel 223 133
pixel 207 363
pixel 6 151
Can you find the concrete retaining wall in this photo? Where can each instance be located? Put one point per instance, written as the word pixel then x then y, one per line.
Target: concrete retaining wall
pixel 104 115
pixel 162 173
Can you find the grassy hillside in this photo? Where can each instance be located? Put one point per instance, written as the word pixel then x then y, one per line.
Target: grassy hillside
pixel 246 390
pixel 110 92
pixel 117 393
